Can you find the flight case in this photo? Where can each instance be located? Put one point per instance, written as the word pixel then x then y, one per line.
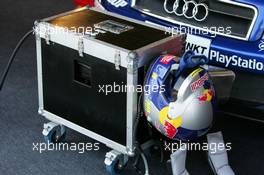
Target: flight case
pixel 75 68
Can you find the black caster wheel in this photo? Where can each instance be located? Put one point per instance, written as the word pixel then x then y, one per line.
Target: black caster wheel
pixel 54 137
pixel 115 168
pixel 53 133
pixel 50 138
pixel 115 162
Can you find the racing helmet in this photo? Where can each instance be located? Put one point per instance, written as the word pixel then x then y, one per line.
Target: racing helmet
pixel 179 96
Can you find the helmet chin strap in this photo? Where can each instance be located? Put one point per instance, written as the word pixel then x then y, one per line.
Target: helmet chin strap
pixel 175 110
pixel 189 60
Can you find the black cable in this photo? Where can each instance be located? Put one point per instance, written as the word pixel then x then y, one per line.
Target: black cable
pixel 138 147
pixel 139 110
pixel 11 58
pixel 138 116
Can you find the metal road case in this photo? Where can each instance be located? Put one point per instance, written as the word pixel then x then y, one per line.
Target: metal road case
pixel 72 66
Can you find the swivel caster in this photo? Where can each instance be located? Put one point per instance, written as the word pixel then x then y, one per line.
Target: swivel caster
pixel 115 162
pixel 53 132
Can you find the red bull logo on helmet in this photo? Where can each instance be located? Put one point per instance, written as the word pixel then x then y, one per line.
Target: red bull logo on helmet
pixel 207 95
pixel 169 125
pixel 167 58
pixel 200 82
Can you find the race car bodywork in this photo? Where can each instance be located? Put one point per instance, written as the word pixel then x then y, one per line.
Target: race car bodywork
pixel 84 2
pixel 238 46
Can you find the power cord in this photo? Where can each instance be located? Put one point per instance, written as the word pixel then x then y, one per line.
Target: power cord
pixel 138 147
pixel 12 57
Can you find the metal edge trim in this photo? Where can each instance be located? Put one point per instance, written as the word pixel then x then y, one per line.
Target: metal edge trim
pixel 39 74
pixel 107 142
pixel 131 106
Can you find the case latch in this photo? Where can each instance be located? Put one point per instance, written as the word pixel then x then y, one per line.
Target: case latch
pixel 36 30
pixel 117 60
pixel 132 63
pixel 80 46
pixel 47 35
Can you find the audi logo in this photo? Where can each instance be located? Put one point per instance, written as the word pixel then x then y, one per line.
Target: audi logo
pixel 188 8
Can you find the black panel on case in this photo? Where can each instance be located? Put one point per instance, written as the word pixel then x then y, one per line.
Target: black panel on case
pixel 82 73
pixel 71 91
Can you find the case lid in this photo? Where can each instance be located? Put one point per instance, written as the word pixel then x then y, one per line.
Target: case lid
pixel 108 36
pixel 110 29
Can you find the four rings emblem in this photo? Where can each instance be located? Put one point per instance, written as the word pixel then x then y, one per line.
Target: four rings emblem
pixel 188 8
